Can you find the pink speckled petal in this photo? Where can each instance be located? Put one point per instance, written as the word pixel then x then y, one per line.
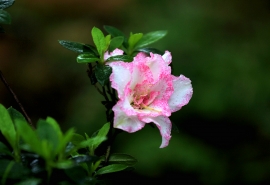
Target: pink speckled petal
pixel 124 122
pixel 157 66
pixel 164 125
pixel 182 93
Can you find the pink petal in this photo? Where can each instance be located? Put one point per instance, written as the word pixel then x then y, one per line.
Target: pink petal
pixel 182 93
pixel 124 122
pixel 164 125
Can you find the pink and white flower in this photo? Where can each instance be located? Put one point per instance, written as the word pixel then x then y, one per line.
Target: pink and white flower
pixel 147 92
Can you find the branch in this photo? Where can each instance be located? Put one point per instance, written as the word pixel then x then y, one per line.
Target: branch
pixel 16 99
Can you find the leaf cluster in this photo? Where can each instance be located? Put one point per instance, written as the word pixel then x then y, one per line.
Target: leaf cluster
pixel 46 155
pixel 137 42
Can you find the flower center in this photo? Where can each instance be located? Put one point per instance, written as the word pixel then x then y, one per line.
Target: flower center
pixel 142 99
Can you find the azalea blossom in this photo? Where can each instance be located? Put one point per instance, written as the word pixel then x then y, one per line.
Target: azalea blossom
pixel 147 92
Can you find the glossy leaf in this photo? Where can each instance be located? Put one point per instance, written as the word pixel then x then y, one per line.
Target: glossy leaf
pixel 4 17
pixel 116 42
pixel 102 73
pixel 77 47
pixel 87 58
pixel 7 127
pixel 150 50
pixel 133 40
pixel 150 38
pixel 111 168
pixel 122 159
pixel 84 158
pixel 99 40
pixel 6 3
pixel 124 58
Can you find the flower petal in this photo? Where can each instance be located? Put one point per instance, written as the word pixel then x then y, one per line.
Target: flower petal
pixel 167 57
pixel 182 93
pixel 113 53
pixel 124 122
pixel 121 76
pixel 164 125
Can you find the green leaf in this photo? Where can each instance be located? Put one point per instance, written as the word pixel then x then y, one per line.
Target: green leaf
pixel 122 159
pixel 29 136
pixel 15 115
pixel 7 127
pixel 99 40
pixel 31 181
pixel 48 136
pixel 87 58
pixel 63 164
pixel 133 40
pixel 55 126
pixel 12 170
pixel 6 3
pixel 111 168
pixel 62 138
pixel 108 41
pixel 78 47
pixel 65 140
pixel 102 73
pixel 150 38
pixel 124 58
pixel 150 50
pixel 77 139
pixel 116 42
pixel 102 133
pixel 114 32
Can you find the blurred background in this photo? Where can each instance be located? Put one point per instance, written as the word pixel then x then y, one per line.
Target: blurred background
pixel 222 46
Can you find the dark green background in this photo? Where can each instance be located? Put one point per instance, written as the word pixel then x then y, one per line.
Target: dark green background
pixel 222 46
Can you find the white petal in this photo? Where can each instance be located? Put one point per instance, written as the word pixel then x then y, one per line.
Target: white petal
pixel 121 76
pixel 124 122
pixel 182 93
pixel 164 125
pixel 113 53
pixel 167 57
